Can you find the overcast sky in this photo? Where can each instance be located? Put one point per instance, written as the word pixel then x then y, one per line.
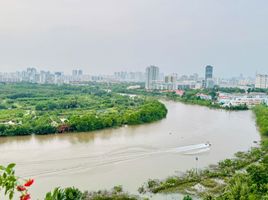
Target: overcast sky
pixel 103 36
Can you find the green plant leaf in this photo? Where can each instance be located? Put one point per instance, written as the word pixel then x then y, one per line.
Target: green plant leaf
pixel 11 165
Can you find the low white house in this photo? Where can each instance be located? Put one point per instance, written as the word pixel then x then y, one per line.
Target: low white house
pixel 250 100
pixel 204 96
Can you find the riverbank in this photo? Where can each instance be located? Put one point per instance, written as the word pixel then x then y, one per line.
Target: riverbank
pixel 193 100
pixel 243 176
pixel 204 97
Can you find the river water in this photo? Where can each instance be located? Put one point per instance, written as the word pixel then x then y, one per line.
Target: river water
pixel 130 155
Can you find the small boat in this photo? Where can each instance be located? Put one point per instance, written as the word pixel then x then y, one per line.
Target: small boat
pixel 191 148
pixel 208 144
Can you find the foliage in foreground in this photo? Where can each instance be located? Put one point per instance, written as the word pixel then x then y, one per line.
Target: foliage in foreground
pixel 64 194
pixel 9 183
pixel 116 193
pixel 253 183
pixel 75 194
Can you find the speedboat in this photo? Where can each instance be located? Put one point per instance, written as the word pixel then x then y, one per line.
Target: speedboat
pixel 208 144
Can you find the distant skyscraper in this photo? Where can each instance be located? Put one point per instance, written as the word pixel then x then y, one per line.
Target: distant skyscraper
pixel 152 76
pixel 43 77
pixel 209 72
pixel 32 75
pixel 171 78
pixel 80 72
pixel 261 81
pixel 77 72
pixel 58 77
pixel 171 81
pixel 209 83
pixel 74 72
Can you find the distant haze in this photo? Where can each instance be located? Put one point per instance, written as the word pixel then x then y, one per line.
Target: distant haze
pixel 103 36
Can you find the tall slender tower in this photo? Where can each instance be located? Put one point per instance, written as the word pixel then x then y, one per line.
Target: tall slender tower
pixel 152 75
pixel 209 77
pixel 209 72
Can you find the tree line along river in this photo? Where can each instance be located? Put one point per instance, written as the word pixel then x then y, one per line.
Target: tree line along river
pixel 130 155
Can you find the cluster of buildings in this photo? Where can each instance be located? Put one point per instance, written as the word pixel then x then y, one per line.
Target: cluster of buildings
pixel 261 81
pixel 152 77
pixel 154 80
pixel 32 75
pixel 249 99
pixel 237 82
pixel 124 76
pixel 178 84
pixel 173 82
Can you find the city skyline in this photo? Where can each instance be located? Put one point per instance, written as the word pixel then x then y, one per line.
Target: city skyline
pixel 152 77
pixel 70 71
pixel 199 71
pixel 102 37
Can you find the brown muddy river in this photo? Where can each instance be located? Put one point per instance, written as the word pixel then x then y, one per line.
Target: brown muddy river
pixel 130 155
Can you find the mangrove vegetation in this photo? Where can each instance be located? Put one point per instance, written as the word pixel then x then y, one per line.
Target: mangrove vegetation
pixel 44 109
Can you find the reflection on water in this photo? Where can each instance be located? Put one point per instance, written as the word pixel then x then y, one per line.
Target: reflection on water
pixel 130 155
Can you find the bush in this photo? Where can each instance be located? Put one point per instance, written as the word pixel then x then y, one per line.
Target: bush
pixel 187 198
pixel 70 193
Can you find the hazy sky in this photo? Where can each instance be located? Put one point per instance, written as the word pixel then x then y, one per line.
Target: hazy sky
pixel 103 36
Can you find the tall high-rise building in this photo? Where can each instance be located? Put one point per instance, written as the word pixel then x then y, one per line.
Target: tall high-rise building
pixel 43 77
pixel 209 83
pixel 171 78
pixel 32 75
pixel 74 72
pixel 171 81
pixel 77 75
pixel 152 76
pixel 261 81
pixel 77 72
pixel 209 72
pixel 58 77
pixel 80 72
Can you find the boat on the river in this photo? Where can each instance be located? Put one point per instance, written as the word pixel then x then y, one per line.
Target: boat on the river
pixel 190 148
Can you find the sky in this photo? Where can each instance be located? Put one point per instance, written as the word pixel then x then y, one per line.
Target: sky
pixel 103 36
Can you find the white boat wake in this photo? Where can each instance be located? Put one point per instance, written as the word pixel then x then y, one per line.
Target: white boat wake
pixel 117 156
pixel 191 148
pixel 197 152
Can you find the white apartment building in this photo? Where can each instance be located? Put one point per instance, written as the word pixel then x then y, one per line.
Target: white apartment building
pixel 261 81
pixel 152 76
